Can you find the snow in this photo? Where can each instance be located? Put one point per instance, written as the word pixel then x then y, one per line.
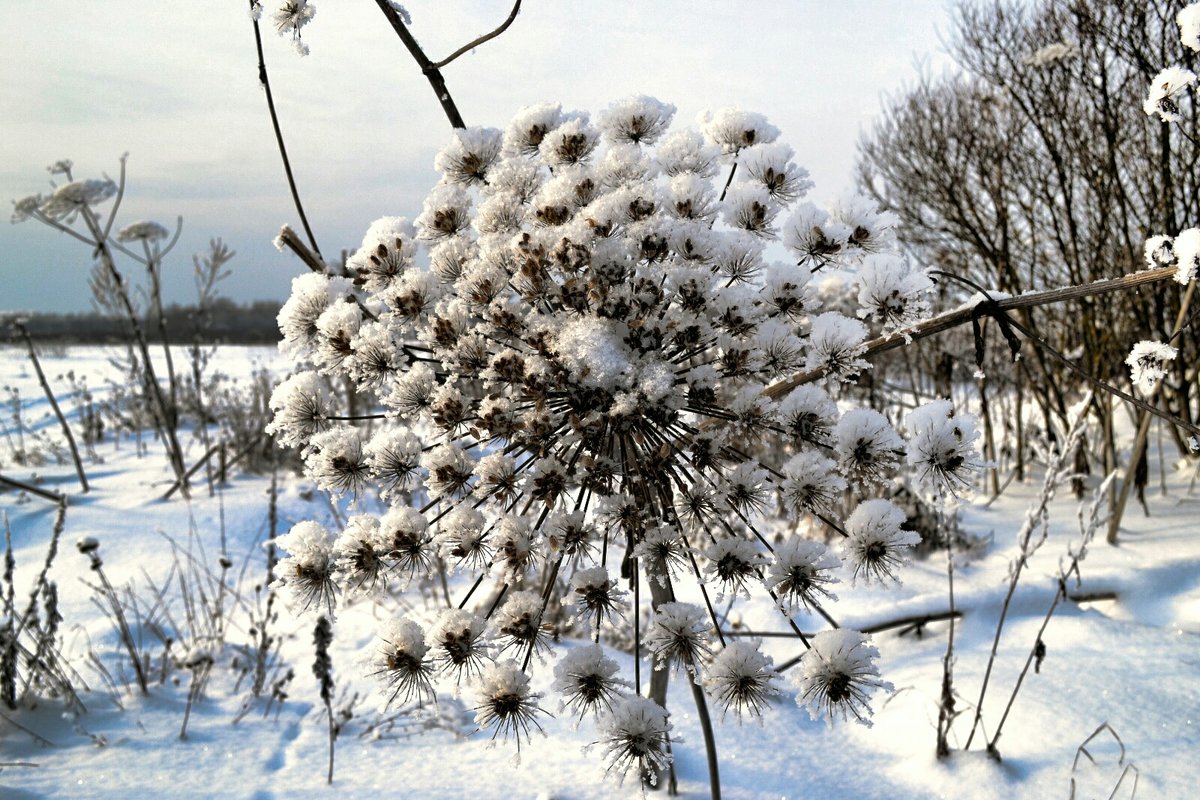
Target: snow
pixel 1132 662
pixel 1189 26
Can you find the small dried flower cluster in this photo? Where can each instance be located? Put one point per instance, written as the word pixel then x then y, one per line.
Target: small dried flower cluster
pixel 1148 362
pixel 1170 84
pixel 570 345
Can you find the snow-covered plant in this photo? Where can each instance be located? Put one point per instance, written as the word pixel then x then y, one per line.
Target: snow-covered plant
pixel 837 675
pixel 1147 364
pixel 1149 361
pixel 571 345
pixel 1188 20
pixel 288 18
pixel 1164 89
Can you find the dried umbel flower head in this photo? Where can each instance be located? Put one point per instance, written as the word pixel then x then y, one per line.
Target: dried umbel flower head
pixel 307 571
pixel 741 679
pixel 837 675
pixel 875 545
pixel 634 735
pixel 505 703
pixel 146 231
pixel 70 199
pixel 1148 362
pixel 401 664
pixel 942 447
pixel 569 350
pixel 587 681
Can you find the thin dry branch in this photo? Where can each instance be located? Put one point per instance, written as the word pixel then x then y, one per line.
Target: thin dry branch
pixel 287 164
pixel 964 314
pixel 430 70
pixel 485 38
pixel 27 487
pixel 58 414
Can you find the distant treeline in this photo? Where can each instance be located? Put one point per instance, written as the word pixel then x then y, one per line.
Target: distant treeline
pixel 225 322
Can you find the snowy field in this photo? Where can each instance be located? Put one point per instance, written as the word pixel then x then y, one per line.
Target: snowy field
pixel 1132 663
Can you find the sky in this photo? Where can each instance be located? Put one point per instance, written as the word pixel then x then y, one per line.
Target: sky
pixel 175 86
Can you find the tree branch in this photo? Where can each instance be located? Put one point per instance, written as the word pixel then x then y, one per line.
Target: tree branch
pixel 962 315
pixel 485 38
pixel 287 164
pixel 430 70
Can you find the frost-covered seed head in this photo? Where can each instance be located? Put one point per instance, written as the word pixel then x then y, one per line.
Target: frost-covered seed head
pixel 741 679
pixel 835 344
pixel 595 596
pixel 146 231
pixel 875 545
pixel 638 120
pixel 401 664
pixel 891 293
pixel 302 405
pixel 1188 20
pixel 404 541
pixel 587 680
pixel 1166 87
pixel 808 416
pixel 456 642
pixel 942 447
pixel 1186 249
pixel 518 623
pixel 469 155
pixel 837 676
pixel 307 570
pixel 678 636
pixel 505 703
pixel 359 562
pixel 335 459
pixel 1148 362
pixel 634 735
pixel 800 572
pixel 867 446
pixel 734 563
pixel 732 129
pixel 70 199
pixel 811 484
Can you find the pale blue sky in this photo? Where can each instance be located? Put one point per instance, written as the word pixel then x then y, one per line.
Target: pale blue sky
pixel 175 85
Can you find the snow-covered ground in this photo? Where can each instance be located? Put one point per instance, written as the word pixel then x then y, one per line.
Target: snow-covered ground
pixel 1133 663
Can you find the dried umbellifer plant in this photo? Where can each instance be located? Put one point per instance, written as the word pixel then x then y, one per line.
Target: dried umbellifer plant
pixel 570 347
